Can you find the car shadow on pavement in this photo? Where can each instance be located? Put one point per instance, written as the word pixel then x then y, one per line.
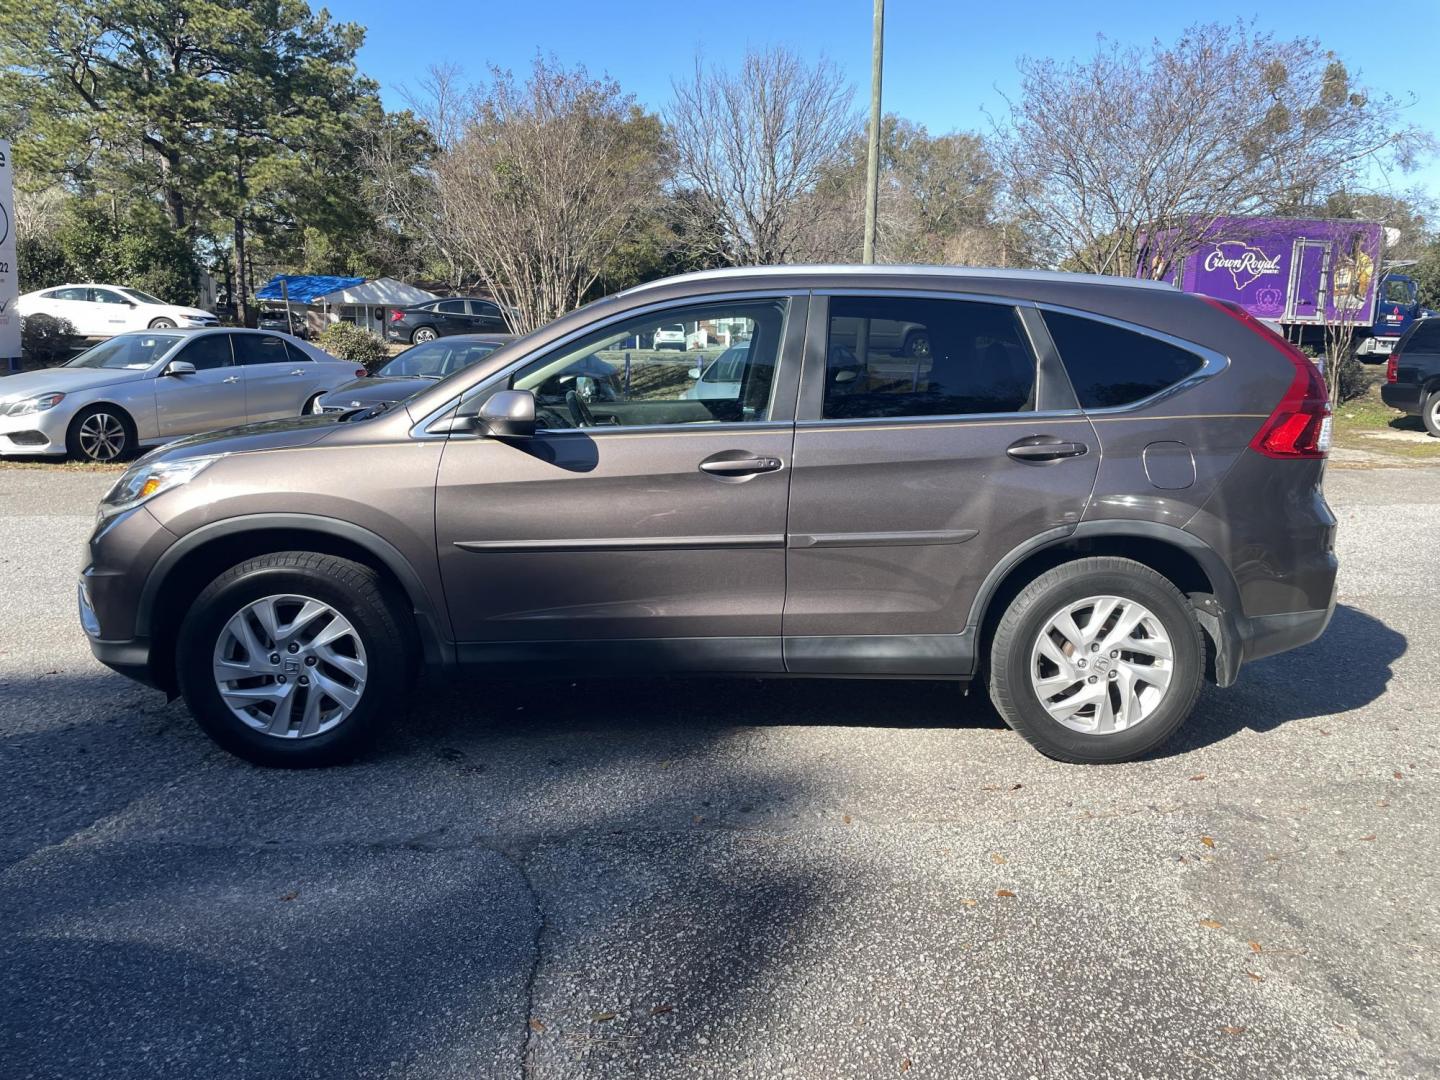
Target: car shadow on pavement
pixel 1346 668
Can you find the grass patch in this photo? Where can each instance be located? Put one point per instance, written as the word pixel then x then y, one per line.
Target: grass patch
pixel 55 463
pixel 1368 424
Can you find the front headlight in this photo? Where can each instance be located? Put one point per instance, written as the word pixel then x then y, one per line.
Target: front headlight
pixel 37 404
pixel 144 480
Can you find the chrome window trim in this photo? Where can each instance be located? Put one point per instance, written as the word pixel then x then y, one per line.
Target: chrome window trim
pixel 1212 362
pixel 886 271
pixel 417 430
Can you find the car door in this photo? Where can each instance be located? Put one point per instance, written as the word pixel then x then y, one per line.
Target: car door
pixel 637 523
pixel 73 305
pixel 278 380
pixel 452 317
pixel 113 313
pixel 485 318
pixel 914 476
pixel 212 397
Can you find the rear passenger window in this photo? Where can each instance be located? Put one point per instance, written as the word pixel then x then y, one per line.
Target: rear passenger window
pixel 1112 366
pixel 259 349
pixel 902 356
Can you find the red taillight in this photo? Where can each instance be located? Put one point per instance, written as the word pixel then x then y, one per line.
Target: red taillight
pixel 1299 427
pixel 396 316
pixel 360 373
pixel 1392 368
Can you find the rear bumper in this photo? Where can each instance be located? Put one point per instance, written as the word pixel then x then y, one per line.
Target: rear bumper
pixel 1266 635
pixel 1402 396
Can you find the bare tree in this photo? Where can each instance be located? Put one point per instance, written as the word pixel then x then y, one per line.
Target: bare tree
pixel 750 147
pixel 535 184
pixel 1225 121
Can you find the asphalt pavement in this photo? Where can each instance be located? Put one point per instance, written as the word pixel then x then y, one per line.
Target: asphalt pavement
pixel 728 878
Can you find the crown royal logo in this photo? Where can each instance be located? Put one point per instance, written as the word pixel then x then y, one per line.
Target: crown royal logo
pixel 1245 263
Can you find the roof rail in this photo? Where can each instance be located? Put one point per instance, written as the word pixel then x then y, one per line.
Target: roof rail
pixel 860 271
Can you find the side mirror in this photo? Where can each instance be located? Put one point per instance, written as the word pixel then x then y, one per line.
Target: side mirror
pixel 179 367
pixel 694 373
pixel 509 414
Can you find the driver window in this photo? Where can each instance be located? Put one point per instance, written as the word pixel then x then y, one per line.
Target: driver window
pixel 702 364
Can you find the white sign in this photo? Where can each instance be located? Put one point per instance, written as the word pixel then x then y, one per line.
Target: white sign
pixel 9 279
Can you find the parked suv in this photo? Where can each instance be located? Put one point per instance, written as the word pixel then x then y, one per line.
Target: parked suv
pixel 1412 377
pixel 1087 494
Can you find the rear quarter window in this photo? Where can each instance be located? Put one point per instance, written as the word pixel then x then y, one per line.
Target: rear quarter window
pixel 1425 337
pixel 1110 366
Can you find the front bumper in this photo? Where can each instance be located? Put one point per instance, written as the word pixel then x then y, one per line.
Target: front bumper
pixel 1402 396
pixel 35 433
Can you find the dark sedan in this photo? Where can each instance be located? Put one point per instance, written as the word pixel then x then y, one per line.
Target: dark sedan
pixel 433 319
pixel 412 371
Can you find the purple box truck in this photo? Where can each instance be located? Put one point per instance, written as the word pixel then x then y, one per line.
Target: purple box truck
pixel 1296 273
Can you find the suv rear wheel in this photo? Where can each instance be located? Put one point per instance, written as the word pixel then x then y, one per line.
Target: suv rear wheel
pixel 1430 413
pixel 1098 660
pixel 292 659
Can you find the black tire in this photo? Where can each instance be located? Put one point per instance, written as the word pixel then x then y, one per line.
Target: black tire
pixel 423 334
pixel 162 324
pixel 1430 413
pixel 81 445
pixel 1011 687
pixel 917 343
pixel 352 590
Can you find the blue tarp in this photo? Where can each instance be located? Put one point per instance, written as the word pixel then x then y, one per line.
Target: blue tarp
pixel 305 288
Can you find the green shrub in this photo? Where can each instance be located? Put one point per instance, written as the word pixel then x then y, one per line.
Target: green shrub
pixel 349 342
pixel 1354 380
pixel 46 341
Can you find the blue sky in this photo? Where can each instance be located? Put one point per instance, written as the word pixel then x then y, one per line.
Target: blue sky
pixel 946 61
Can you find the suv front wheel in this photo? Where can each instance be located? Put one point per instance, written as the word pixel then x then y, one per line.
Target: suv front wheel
pixel 1098 660
pixel 292 659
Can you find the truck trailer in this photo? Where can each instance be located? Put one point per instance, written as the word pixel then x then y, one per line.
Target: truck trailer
pixel 1300 275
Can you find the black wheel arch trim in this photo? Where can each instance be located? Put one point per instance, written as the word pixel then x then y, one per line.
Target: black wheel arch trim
pixel 429 618
pixel 1219 614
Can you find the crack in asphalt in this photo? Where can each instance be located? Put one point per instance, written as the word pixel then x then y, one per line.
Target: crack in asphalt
pixel 516 858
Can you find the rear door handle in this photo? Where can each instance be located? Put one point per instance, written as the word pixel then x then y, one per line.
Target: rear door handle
pixel 1041 448
pixel 298 371
pixel 739 466
pixel 232 378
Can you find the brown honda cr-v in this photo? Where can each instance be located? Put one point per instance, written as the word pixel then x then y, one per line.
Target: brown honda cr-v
pixel 1089 492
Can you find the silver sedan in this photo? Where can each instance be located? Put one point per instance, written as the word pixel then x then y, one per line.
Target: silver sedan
pixel 151 386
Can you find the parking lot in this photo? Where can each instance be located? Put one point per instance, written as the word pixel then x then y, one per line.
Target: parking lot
pixel 728 878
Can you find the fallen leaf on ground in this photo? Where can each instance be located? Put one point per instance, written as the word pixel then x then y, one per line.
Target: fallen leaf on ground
pixel 905 1065
pixel 661 1010
pixel 290 896
pixel 601 1017
pixel 1198 776
pixel 1211 924
pixel 1370 837
pixel 1238 1029
pixel 968 902
pixel 998 859
pixel 1255 977
pixel 1255 947
pixel 1016 787
pixel 536 1025
pixel 1004 892
pixel 1207 841
pixel 1399 775
pixel 846 819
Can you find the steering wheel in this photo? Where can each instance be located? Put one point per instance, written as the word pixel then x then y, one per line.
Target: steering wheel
pixel 579 411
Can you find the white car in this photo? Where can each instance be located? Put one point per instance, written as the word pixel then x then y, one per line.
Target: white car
pixel 152 386
pixel 105 310
pixel 671 336
pixel 720 379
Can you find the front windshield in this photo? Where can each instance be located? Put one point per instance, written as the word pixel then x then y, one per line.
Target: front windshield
pixel 143 297
pixel 128 351
pixel 437 359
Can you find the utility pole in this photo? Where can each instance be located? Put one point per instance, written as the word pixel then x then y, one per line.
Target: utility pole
pixel 872 163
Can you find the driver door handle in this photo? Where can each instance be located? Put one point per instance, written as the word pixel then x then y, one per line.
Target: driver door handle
pixel 298 371
pixel 739 466
pixel 232 378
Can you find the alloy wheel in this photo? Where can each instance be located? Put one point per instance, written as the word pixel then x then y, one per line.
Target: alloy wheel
pixel 101 436
pixel 290 666
pixel 1102 664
